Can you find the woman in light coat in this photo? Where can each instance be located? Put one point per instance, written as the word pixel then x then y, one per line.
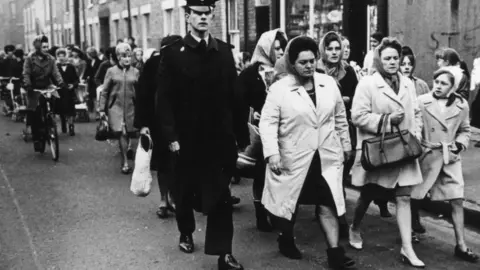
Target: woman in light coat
pixel 446 133
pixel 386 92
pixel 117 100
pixel 304 118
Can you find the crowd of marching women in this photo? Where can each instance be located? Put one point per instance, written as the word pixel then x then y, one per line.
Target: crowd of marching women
pixel 300 118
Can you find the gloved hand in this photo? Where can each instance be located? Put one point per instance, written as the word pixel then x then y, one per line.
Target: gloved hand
pixel 459 148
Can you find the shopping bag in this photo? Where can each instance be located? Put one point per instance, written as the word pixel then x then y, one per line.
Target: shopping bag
pixel 142 176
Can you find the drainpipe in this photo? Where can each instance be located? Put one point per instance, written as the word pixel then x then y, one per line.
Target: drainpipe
pixel 228 21
pixel 245 25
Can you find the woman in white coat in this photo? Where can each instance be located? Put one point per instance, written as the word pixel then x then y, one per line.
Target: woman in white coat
pixel 386 92
pixel 446 133
pixel 302 120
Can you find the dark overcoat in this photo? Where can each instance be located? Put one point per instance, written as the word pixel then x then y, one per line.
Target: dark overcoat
pixel 89 76
pixel 39 72
pixel 195 106
pixel 66 103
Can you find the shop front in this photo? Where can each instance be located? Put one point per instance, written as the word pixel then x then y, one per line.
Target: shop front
pixel 314 18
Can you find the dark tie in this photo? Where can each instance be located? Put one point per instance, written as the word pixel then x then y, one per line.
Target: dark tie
pixel 202 46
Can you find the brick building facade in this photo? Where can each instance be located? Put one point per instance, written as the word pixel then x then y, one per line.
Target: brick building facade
pixel 12 22
pixel 106 21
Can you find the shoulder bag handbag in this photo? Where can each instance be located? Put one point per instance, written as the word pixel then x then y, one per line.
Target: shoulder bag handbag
pixel 388 150
pixel 103 130
pixel 247 159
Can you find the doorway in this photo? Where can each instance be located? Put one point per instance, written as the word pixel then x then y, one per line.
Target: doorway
pixel 105 32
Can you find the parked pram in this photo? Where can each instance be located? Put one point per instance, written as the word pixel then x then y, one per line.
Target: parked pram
pixel 81 108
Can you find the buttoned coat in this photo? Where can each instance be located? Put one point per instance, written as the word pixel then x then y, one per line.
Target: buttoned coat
pixel 294 128
pixel 39 72
pixel 195 107
pixel 373 98
pixel 448 126
pixel 117 98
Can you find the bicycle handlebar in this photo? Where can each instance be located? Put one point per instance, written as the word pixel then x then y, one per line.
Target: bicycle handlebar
pixel 9 79
pixel 48 92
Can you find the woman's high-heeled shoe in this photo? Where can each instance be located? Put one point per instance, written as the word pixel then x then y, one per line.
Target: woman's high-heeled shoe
pixel 355 239
pixel 412 262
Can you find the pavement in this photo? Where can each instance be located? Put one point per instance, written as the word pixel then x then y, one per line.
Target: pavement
pixel 79 213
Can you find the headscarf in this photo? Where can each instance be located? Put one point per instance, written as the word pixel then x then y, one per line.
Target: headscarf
pixel 336 70
pixel 265 50
pixel 283 67
pixel 393 80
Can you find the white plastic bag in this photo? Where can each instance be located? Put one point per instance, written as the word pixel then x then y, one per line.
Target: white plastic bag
pixel 142 177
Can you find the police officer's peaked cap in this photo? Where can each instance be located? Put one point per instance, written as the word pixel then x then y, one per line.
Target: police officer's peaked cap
pixel 9 48
pixel 208 3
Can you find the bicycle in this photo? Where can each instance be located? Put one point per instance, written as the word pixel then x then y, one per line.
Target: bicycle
pixel 6 95
pixel 50 133
pixel 18 100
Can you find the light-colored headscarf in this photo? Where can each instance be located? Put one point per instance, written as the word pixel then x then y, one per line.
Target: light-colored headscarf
pixel 283 67
pixel 265 50
pixel 336 70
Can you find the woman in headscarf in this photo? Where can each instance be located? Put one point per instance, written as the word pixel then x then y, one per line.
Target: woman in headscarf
pixel 386 96
pixel 78 62
pixel 138 59
pixel 450 57
pixel 407 67
pixel 331 63
pixel 66 106
pixel 117 100
pixel 304 119
pixel 252 86
pixel 441 162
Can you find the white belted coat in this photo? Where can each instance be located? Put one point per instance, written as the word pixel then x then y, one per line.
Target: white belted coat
pixel 294 128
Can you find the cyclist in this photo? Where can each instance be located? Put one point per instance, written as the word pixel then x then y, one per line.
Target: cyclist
pixel 39 71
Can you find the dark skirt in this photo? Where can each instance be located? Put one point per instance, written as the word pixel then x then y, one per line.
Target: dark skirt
pixel 66 103
pixel 315 190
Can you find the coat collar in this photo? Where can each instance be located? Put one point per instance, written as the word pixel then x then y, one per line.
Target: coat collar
pixel 388 91
pixel 432 106
pixel 293 86
pixel 190 41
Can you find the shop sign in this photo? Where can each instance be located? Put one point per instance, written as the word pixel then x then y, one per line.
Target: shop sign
pixel 262 3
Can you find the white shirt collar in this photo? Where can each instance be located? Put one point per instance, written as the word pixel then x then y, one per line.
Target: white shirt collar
pixel 199 39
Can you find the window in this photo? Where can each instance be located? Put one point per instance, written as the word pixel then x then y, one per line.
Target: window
pixel 313 20
pixel 167 22
pixel 67 6
pixel 233 24
pixel 145 30
pixel 116 30
pixel 183 21
pixel 102 1
pixel 92 35
pixel 13 10
pixel 90 3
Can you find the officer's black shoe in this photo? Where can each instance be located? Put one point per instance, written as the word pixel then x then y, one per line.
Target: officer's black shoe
pixel 228 262
pixel 186 243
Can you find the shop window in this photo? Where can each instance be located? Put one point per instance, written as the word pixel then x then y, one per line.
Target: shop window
pixel 233 24
pixel 145 30
pixel 315 20
pixel 168 22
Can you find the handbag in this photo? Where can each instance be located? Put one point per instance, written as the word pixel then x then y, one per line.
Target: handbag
pixel 142 177
pixel 388 150
pixel 103 130
pixel 247 159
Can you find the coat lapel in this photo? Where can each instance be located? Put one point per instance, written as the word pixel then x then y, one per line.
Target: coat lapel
pixel 303 93
pixel 387 90
pixel 452 111
pixel 432 107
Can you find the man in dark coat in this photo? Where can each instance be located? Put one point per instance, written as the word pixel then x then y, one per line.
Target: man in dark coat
pixel 162 159
pixel 39 71
pixel 195 114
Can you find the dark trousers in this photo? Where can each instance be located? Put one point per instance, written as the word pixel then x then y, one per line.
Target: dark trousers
pixel 219 233
pixel 35 120
pixel 259 179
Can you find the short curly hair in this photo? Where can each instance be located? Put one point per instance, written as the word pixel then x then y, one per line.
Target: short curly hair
pixel 390 42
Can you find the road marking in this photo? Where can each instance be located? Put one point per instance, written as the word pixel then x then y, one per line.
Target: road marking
pixel 22 219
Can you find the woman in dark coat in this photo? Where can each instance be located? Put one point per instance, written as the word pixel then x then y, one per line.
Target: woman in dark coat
pixel 66 104
pixel 93 64
pixel 162 159
pixel 252 88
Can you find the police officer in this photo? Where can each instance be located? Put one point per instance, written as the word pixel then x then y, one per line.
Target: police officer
pixel 195 113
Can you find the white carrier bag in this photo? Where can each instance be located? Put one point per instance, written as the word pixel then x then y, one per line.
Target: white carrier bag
pixel 142 177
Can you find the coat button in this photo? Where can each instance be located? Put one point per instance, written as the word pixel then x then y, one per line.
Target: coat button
pixel 444 129
pixel 433 129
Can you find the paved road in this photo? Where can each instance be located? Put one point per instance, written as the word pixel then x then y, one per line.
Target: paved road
pixel 79 214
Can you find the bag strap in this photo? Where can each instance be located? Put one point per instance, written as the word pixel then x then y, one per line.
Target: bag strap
pixel 384 128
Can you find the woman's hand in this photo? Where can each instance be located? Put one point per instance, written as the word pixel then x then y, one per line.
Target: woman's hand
pixel 144 130
pixel 256 116
pixel 102 115
pixel 174 147
pixel 275 164
pixel 397 117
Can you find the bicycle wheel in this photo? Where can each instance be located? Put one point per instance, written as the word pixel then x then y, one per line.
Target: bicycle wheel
pixel 53 139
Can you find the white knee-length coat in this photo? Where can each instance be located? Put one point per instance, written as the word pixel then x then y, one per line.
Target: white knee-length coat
pixel 293 127
pixel 374 97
